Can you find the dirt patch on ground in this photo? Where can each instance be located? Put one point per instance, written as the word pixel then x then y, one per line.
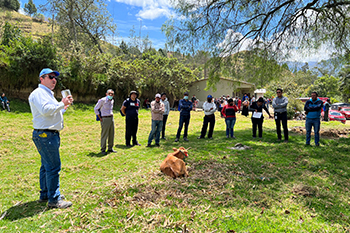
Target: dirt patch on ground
pixel 334 133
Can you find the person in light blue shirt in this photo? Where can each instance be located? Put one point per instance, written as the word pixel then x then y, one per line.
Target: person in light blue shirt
pixel 48 122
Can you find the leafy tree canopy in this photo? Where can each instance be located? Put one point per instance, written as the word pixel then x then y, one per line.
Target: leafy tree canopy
pixel 30 8
pixel 10 4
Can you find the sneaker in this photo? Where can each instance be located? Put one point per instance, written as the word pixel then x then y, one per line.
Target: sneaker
pixel 60 204
pixel 176 139
pixel 198 138
pixel 136 144
pixel 129 146
pixel 46 200
pixel 227 136
pixel 317 145
pixel 233 137
pixel 278 140
pixel 157 144
pixel 260 137
pixel 163 138
pixel 185 139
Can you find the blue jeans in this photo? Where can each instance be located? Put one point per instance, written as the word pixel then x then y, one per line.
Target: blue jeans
pixel 156 129
pixel 47 144
pixel 230 123
pixel 315 122
pixel 186 120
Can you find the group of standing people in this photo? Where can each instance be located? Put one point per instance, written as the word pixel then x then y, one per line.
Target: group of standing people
pixel 48 122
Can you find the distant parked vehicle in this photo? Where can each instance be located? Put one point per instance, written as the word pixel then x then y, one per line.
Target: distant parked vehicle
pixel 335 116
pixel 337 105
pixel 346 112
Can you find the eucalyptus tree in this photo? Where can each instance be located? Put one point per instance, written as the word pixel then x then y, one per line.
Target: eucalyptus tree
pixel 276 26
pixel 83 21
pixel 30 8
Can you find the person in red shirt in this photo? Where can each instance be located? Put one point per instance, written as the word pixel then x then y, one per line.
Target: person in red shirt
pixel 239 105
pixel 229 113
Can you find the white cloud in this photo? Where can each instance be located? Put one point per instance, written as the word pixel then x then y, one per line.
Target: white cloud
pixel 151 9
pixel 296 54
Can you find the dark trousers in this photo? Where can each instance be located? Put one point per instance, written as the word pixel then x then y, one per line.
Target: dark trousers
pixel 278 118
pixel 326 113
pixel 208 120
pixel 186 120
pixel 165 118
pixel 257 122
pixel 131 125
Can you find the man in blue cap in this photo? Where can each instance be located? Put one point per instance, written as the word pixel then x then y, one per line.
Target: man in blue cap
pixel 48 122
pixel 209 109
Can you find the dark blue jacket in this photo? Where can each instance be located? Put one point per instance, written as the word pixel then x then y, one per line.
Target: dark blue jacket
pixel 313 109
pixel 185 107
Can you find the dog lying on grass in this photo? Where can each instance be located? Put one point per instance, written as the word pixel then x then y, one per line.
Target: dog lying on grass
pixel 173 165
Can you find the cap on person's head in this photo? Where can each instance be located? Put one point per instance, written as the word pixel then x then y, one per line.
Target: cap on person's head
pixel 209 96
pixel 48 71
pixel 163 94
pixel 261 99
pixel 230 100
pixel 134 92
pixel 186 93
pixel 158 95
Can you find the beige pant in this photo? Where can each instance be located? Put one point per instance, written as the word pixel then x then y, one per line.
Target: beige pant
pixel 107 132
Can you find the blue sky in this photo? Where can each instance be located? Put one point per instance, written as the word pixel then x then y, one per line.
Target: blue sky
pixel 150 14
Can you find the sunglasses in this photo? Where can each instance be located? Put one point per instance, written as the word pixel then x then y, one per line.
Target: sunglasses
pixel 52 76
pixel 278 92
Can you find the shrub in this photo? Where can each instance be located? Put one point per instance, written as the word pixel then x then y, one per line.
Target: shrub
pixel 293 106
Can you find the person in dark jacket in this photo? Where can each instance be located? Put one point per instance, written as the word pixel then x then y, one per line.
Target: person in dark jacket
pixel 258 117
pixel 5 102
pixel 312 110
pixel 130 109
pixel 185 114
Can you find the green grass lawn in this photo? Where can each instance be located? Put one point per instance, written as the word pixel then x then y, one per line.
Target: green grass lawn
pixel 274 187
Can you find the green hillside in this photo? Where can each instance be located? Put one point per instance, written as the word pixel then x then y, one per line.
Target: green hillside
pixel 27 24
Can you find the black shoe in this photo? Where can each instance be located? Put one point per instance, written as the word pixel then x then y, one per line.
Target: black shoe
pixel 185 139
pixel 129 146
pixel 211 138
pixel 112 151
pixel 136 144
pixel 148 145
pixel 176 139
pixel 198 138
pixel 317 145
pixel 103 152
pixel 278 140
pixel 285 141
pixel 157 144
pixel 163 138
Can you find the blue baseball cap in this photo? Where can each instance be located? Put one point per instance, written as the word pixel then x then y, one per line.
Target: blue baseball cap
pixel 209 96
pixel 48 71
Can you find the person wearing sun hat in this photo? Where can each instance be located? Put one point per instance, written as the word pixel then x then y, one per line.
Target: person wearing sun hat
pixel 48 122
pixel 157 110
pixel 130 109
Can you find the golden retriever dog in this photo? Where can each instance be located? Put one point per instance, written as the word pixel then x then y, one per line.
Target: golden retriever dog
pixel 173 165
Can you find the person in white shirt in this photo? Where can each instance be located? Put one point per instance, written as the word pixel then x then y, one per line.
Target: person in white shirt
pixel 209 108
pixel 165 101
pixel 48 122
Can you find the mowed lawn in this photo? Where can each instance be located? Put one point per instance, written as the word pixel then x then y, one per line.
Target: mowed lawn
pixel 273 187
